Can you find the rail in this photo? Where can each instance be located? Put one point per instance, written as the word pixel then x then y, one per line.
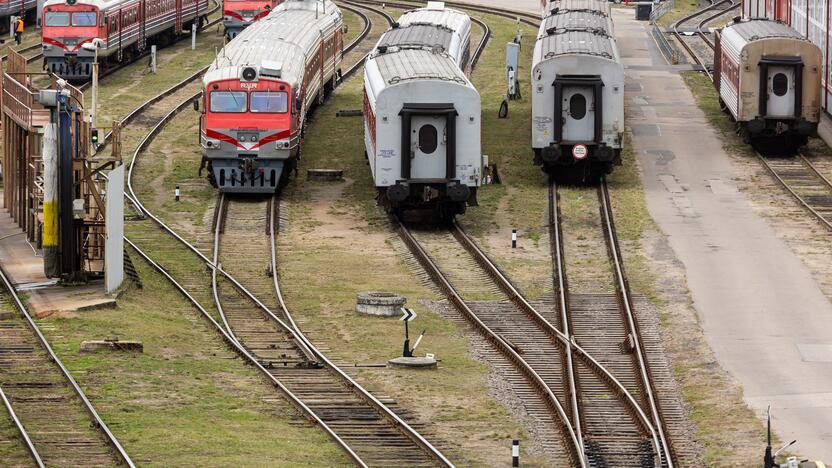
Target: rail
pixel 626 303
pixel 99 422
pixel 30 446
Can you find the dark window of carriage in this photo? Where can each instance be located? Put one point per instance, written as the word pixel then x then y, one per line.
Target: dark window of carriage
pixel 780 84
pixel 577 106
pixel 428 139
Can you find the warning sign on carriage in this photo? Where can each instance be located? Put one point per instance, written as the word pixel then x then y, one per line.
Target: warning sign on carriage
pixel 579 151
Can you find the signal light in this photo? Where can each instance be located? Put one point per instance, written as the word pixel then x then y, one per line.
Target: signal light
pixel 94 136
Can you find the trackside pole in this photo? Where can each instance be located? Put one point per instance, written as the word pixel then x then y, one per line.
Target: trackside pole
pixel 193 36
pixel 515 452
pixel 153 59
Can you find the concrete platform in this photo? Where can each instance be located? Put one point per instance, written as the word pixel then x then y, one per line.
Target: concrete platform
pixel 45 296
pixel 760 308
pixel 413 362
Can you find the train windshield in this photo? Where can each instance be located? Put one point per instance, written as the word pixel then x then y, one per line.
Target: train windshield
pixel 228 101
pixel 270 102
pixel 56 18
pixel 84 18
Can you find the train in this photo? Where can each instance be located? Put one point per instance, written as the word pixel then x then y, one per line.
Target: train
pixel 259 90
pixel 119 29
pixel 577 83
pixel 422 115
pixel 768 78
pixel 239 14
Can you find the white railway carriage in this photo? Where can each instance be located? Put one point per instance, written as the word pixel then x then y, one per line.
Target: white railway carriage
pixel 440 22
pixel 577 95
pixel 258 90
pixel 422 114
pixel 768 78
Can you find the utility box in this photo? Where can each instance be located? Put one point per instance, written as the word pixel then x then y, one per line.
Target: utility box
pixel 512 58
pixel 643 10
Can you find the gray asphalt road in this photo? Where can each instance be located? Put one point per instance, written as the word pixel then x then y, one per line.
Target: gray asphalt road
pixel 762 312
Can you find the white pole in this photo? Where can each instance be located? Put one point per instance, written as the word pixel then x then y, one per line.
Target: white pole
pixel 94 88
pixel 193 36
pixel 153 59
pixel 11 26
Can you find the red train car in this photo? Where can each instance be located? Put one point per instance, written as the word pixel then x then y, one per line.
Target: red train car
pixel 124 28
pixel 811 19
pixel 259 90
pixel 239 14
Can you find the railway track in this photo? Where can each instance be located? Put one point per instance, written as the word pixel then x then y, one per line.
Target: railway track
pixel 367 430
pixel 275 339
pixel 699 35
pixel 57 423
pixel 805 182
pixel 599 415
pixel 606 325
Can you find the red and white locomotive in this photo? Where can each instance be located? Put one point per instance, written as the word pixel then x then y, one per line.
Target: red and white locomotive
pixel 124 28
pixel 258 90
pixel 239 14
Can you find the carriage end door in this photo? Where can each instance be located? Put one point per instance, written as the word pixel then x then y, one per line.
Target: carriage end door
pixel 428 141
pixel 428 146
pixel 781 80
pixel 578 113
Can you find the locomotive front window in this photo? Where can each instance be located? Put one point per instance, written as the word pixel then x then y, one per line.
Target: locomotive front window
pixel 56 18
pixel 228 101
pixel 270 102
pixel 780 84
pixel 84 18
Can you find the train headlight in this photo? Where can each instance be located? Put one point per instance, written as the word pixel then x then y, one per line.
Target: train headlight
pixel 47 47
pixel 211 143
pixel 283 144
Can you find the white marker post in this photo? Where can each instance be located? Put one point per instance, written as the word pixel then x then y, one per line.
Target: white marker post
pixel 514 238
pixel 193 37
pixel 153 59
pixel 515 453
pixel 176 193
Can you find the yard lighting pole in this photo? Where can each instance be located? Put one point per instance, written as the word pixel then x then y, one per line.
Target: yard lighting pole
pixel 94 45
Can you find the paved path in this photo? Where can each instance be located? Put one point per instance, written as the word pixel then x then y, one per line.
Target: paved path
pixel 26 273
pixel 762 312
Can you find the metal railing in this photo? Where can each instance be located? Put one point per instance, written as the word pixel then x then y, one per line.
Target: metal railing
pixel 661 9
pixel 670 54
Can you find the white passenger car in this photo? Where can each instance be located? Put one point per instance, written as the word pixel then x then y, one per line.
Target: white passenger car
pixel 577 93
pixel 422 114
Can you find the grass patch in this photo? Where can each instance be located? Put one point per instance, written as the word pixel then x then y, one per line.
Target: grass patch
pixel 187 400
pixel 682 9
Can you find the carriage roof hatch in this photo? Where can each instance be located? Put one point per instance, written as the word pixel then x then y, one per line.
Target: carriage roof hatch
pixel 271 68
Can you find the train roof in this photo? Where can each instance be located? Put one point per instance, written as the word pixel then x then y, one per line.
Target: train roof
pixel 417 35
pixel 601 6
pixel 576 21
pixel 281 40
pixel 576 43
pixel 754 30
pixel 417 64
pixel 436 13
